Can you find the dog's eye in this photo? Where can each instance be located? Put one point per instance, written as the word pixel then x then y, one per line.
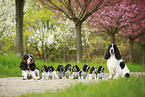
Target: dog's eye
pixel 27 56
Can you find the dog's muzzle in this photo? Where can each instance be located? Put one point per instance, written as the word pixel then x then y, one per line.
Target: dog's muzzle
pixel 112 51
pixel 30 60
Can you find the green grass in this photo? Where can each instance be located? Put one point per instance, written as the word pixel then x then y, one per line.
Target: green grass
pixel 9 65
pixel 122 87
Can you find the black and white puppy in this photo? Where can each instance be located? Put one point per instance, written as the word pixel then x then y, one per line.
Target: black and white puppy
pixel 44 72
pixel 28 67
pixel 83 73
pixel 60 71
pixel 67 72
pixel 51 72
pixel 115 64
pixel 100 74
pixel 75 71
pixel 93 73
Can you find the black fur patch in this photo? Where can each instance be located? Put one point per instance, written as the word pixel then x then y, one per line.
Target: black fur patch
pixel 122 65
pixel 100 69
pixel 127 75
pixel 67 66
pixel 76 67
pixel 60 67
pixel 92 69
pixel 107 55
pixel 50 68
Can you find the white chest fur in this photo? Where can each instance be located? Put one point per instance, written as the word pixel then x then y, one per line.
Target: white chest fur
pixel 112 62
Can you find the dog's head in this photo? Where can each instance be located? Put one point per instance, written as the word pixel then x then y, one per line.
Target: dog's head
pixel 75 68
pixel 60 68
pixel 44 68
pixel 112 49
pixel 50 68
pixel 68 67
pixel 101 69
pixel 28 58
pixel 93 70
pixel 86 67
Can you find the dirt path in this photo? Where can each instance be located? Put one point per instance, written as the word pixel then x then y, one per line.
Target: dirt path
pixel 15 86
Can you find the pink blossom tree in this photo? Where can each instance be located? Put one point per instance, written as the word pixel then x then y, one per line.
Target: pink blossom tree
pixel 77 11
pixel 119 19
pixel 112 19
pixel 135 26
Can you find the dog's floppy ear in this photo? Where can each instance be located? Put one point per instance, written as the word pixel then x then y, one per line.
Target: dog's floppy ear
pixel 117 53
pixel 58 68
pixel 78 69
pixel 91 70
pixel 107 56
pixel 52 68
pixel 84 67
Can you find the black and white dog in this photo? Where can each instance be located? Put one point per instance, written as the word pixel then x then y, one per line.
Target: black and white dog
pixel 83 73
pixel 51 72
pixel 60 71
pixel 93 73
pixel 100 74
pixel 75 71
pixel 28 67
pixel 115 64
pixel 44 72
pixel 67 72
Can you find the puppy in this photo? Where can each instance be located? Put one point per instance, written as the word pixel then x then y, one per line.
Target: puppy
pixel 28 67
pixel 67 72
pixel 93 73
pixel 44 72
pixel 100 74
pixel 83 73
pixel 60 71
pixel 75 71
pixel 115 64
pixel 51 72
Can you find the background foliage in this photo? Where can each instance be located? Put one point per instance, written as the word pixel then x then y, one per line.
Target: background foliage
pixel 51 37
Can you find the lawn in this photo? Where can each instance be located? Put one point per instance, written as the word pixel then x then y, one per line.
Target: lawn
pixel 122 87
pixel 9 65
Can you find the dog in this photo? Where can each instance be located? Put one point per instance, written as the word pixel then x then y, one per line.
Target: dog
pixel 51 72
pixel 100 74
pixel 60 71
pixel 115 64
pixel 28 67
pixel 75 71
pixel 67 72
pixel 44 72
pixel 83 73
pixel 93 73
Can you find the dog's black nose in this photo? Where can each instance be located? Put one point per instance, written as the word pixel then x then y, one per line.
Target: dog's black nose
pixel 111 50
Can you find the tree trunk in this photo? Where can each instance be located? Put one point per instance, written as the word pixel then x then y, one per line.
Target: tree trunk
pixel 19 27
pixel 143 56
pixel 79 42
pixel 130 51
pixel 113 38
